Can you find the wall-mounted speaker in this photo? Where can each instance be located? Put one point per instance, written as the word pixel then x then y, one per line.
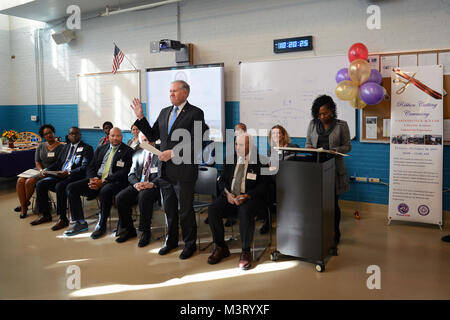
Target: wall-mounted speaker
pixel 62 37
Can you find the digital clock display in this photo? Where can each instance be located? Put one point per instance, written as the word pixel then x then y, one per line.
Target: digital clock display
pixel 292 44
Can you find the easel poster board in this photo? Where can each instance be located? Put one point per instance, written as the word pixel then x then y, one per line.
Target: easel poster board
pixel 106 96
pixel 382 111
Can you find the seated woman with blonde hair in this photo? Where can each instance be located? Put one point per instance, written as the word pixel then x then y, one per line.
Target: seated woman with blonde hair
pixel 46 154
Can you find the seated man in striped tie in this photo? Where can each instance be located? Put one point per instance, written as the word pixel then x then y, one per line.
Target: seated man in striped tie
pixel 106 176
pixel 143 189
pixel 70 167
pixel 243 189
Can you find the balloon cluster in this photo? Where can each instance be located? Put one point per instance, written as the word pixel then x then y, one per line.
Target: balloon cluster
pixel 359 84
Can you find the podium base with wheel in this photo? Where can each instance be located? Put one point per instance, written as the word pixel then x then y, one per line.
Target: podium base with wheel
pixel 305 208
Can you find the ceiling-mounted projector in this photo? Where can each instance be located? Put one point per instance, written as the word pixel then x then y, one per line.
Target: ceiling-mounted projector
pixel 62 37
pixel 170 45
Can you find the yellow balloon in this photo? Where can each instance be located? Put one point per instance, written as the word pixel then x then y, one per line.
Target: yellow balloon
pixel 359 71
pixel 346 90
pixel 357 103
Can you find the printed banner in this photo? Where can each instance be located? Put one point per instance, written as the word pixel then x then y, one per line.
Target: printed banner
pixel 416 158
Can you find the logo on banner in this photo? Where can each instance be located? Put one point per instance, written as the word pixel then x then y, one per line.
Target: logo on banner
pixel 423 210
pixel 403 208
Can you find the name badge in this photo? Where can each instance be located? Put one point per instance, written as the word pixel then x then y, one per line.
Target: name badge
pixel 120 164
pixel 154 170
pixel 79 149
pixel 50 154
pixel 251 176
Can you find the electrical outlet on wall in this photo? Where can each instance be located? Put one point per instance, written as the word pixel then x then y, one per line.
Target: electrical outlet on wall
pixel 33 118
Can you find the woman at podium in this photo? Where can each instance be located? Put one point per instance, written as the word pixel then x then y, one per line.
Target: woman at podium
pixel 327 132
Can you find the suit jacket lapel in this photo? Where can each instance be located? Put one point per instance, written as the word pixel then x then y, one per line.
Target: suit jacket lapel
pixel 117 154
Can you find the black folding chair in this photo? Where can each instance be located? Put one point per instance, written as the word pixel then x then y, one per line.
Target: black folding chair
pixel 204 187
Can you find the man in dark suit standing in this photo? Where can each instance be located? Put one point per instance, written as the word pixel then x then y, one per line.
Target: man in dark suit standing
pixel 106 176
pixel 143 188
pixel 178 175
pixel 243 190
pixel 70 167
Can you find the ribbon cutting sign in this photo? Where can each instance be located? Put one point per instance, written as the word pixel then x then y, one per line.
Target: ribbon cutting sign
pixel 417 83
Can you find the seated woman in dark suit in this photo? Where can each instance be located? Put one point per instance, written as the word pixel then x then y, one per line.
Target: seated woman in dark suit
pixel 46 154
pixel 107 126
pixel 278 137
pixel 327 132
pixel 134 142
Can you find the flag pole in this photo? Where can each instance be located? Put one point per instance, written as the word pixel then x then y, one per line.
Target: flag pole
pixel 126 57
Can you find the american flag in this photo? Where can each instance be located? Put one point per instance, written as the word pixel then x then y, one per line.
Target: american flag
pixel 118 57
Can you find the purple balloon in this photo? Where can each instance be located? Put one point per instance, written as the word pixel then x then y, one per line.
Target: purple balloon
pixel 371 93
pixel 342 75
pixel 375 76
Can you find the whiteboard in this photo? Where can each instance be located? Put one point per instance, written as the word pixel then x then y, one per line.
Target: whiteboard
pixel 107 97
pixel 282 92
pixel 206 92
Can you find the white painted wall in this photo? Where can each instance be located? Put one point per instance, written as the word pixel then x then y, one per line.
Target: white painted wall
pixel 23 67
pixel 226 31
pixel 5 63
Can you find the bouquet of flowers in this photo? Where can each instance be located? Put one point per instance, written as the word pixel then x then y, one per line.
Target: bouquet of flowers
pixel 10 135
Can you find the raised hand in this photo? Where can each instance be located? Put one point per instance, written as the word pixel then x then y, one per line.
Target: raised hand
pixel 137 108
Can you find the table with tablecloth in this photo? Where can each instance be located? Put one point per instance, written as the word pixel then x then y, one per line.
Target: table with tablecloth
pixel 16 162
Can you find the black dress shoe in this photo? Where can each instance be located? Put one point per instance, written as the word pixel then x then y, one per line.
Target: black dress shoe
pixel 166 249
pixel 128 234
pixel 23 215
pixel 18 209
pixel 187 252
pixel 98 233
pixel 446 238
pixel 144 239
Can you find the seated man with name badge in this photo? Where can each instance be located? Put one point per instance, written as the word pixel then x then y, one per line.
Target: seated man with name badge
pixel 143 188
pixel 70 167
pixel 243 189
pixel 106 176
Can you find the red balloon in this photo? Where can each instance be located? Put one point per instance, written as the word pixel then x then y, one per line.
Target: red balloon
pixel 358 51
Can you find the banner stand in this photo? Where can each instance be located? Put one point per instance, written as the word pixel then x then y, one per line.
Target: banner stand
pixel 416 145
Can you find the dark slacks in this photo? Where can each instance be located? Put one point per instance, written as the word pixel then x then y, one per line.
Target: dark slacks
pixel 178 198
pixel 59 187
pixel 106 193
pixel 246 213
pixel 125 200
